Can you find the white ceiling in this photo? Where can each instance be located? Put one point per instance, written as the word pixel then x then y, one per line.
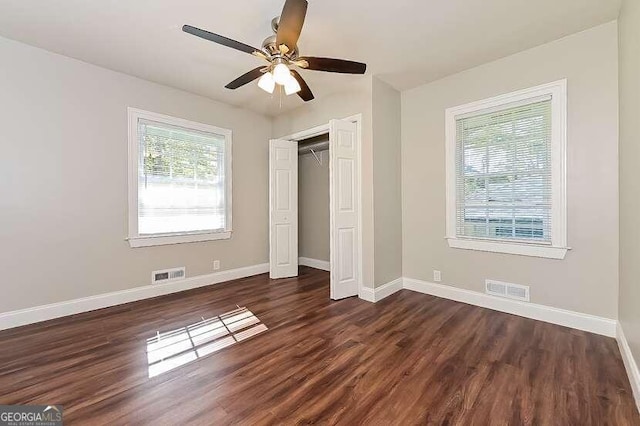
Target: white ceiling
pixel 404 42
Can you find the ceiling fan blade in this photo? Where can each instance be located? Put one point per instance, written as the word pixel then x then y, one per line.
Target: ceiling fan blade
pixel 305 92
pixel 290 25
pixel 246 78
pixel 331 65
pixel 225 41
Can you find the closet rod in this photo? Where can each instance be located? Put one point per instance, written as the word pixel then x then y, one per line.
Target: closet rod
pixel 316 146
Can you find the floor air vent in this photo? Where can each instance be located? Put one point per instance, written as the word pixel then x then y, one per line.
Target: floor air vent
pixel 508 290
pixel 168 275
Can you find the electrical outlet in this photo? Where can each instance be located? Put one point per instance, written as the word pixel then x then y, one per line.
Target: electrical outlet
pixel 216 265
pixel 437 276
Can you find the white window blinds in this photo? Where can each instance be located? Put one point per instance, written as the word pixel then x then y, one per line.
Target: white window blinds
pixel 503 173
pixel 181 179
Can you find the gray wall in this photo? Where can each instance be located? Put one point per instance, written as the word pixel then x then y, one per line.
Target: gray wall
pixel 587 279
pixel 63 170
pixel 387 191
pixel 629 32
pixel 313 206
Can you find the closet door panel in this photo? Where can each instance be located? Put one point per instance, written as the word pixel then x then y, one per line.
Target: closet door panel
pixel 344 209
pixel 283 208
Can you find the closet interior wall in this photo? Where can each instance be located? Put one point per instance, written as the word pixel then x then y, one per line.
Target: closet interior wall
pixel 313 198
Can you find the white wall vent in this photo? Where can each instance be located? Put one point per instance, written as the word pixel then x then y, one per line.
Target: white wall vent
pixel 508 290
pixel 167 275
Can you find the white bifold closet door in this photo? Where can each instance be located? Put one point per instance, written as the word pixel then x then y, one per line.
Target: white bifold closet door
pixel 344 210
pixel 283 208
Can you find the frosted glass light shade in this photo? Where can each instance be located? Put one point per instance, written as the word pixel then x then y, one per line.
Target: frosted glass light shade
pixel 267 83
pixel 281 74
pixel 291 86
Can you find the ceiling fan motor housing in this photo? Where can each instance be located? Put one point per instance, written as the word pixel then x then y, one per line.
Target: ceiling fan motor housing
pixel 270 47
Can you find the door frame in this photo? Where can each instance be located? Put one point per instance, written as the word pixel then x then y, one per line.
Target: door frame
pixel 324 128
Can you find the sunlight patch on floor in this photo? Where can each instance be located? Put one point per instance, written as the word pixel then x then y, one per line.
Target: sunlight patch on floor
pixel 172 349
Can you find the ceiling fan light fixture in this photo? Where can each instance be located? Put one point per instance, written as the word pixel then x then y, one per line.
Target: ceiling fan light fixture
pixel 281 53
pixel 281 74
pixel 291 86
pixel 267 83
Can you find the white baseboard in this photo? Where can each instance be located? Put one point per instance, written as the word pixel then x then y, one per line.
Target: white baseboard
pixel 314 263
pixel 61 309
pixel 577 320
pixel 630 364
pixel 379 293
pixel 368 294
pixel 388 289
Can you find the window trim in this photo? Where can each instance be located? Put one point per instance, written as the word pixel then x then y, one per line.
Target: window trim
pixel 134 238
pixel 558 247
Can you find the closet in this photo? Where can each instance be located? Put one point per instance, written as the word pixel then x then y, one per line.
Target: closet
pixel 301 198
pixel 313 202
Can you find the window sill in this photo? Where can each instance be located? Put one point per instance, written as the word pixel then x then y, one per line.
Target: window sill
pixel 160 240
pixel 549 252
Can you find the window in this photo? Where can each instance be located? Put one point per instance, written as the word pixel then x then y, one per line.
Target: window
pixel 506 173
pixel 179 180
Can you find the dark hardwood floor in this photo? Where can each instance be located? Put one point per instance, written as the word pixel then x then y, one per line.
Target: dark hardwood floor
pixel 409 359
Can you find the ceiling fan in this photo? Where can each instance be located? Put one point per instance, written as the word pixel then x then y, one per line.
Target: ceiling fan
pixel 281 52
